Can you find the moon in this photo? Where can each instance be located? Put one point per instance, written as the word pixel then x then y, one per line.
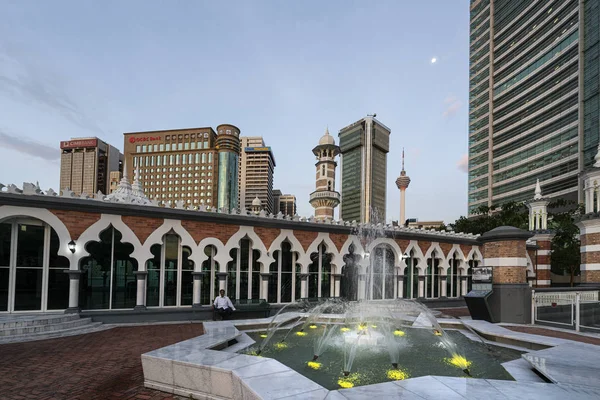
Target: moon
pixel 433 60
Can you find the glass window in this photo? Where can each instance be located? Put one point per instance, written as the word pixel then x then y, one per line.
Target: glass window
pixel 162 147
pixel 210 156
pixel 186 145
pixel 138 148
pixel 180 146
pixel 168 146
pixel 206 144
pixel 144 148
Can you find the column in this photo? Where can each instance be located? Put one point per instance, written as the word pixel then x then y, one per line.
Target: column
pixel 505 252
pixel 73 291
pixel 362 287
pixel 463 285
pixel 140 303
pixel 589 230
pixel 400 286
pixel 337 278
pixel 197 295
pixel 264 285
pixel 223 282
pixel 443 282
pixel 421 286
pixel 544 243
pixel 303 286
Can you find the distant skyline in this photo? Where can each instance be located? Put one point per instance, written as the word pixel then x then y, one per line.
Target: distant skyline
pixel 281 70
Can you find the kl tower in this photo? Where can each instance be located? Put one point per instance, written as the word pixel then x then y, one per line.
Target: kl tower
pixel 402 182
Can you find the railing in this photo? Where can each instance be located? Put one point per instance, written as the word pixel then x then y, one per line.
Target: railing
pixel 324 194
pixel 574 309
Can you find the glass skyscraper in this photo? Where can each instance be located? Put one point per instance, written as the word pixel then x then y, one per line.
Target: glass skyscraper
pixel 364 146
pixel 228 146
pixel 533 98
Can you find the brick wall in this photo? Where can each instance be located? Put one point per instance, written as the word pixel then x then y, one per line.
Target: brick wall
pixel 142 226
pixel 590 276
pixel 510 275
pixel 75 221
pixel 305 238
pixel 590 238
pixel 267 235
pixel 202 230
pixel 509 248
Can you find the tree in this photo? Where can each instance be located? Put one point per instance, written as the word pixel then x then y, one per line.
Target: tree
pixel 566 255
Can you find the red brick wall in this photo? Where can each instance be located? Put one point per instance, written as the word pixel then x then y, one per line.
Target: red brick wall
pixel 402 243
pixel 142 226
pixel 590 276
pixel 267 235
pixel 590 238
pixel 446 247
pixel 424 246
pixel 338 240
pixel 510 275
pixel 305 238
pixel 202 230
pixel 75 221
pixel 509 248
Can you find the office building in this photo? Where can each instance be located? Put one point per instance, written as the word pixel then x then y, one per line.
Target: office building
pixel 533 98
pixel 364 146
pixel 325 198
pixel 276 196
pixel 257 165
pixel 85 165
pixel 228 145
pixel 178 164
pixel 115 178
pixel 287 204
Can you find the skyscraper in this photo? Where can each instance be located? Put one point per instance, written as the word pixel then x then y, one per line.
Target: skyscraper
pixel 85 165
pixel 228 146
pixel 257 165
pixel 176 164
pixel 533 98
pixel 364 146
pixel 287 204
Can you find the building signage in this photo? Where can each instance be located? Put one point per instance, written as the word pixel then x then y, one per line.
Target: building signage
pixel 250 149
pixel 71 144
pixel 482 274
pixel 144 139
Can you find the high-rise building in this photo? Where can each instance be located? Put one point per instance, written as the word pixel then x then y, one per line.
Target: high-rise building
pixel 364 146
pixel 115 179
pixel 85 165
pixel 228 146
pixel 178 164
pixel 533 98
pixel 276 196
pixel 325 198
pixel 287 204
pixel 257 165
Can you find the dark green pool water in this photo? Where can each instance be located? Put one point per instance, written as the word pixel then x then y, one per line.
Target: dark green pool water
pixel 420 354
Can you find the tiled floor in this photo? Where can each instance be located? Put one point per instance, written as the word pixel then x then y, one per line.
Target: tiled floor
pixel 102 365
pixel 555 334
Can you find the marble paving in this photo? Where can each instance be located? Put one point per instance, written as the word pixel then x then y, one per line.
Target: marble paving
pixel 192 369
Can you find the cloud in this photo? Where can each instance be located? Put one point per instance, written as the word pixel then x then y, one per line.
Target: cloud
pixel 24 80
pixel 27 146
pixel 452 105
pixel 463 163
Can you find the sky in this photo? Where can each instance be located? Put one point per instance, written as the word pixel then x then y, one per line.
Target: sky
pixel 284 70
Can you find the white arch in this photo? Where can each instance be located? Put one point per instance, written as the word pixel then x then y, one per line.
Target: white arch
pixel 92 233
pixel 394 246
pixel 289 235
pixel 222 257
pixel 337 261
pixel 413 245
pixel 46 216
pixel 358 247
pixel 460 257
pixel 156 237
pixel 265 258
pixel 432 247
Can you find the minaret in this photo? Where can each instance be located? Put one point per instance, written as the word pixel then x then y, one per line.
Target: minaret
pixel 324 199
pixel 402 182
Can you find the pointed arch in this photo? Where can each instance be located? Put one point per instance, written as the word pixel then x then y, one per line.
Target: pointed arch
pixel 337 260
pixel 92 234
pixel 64 237
pixel 265 257
pixel 222 257
pixel 156 237
pixel 394 246
pixel 413 245
pixel 434 246
pixel 289 235
pixel 459 254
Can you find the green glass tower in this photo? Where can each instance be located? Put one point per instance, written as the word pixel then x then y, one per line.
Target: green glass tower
pixel 533 98
pixel 364 146
pixel 228 146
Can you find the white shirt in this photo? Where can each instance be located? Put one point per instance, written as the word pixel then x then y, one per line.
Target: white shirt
pixel 223 302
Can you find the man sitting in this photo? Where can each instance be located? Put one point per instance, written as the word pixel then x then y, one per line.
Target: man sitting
pixel 223 305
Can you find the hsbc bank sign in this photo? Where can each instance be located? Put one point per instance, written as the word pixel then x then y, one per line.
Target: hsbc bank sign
pixel 144 139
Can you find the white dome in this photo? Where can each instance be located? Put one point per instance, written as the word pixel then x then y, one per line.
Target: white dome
pixel 256 202
pixel 326 138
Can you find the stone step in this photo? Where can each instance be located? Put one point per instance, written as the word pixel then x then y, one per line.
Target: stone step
pixel 80 330
pixel 22 321
pixel 60 326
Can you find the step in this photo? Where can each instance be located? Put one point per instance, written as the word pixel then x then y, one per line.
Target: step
pixel 81 330
pixel 22 321
pixel 74 323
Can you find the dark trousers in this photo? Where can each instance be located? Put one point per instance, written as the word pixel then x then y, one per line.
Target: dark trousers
pixel 224 312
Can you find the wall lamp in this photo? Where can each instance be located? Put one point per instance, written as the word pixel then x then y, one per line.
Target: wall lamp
pixel 405 256
pixel 72 246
